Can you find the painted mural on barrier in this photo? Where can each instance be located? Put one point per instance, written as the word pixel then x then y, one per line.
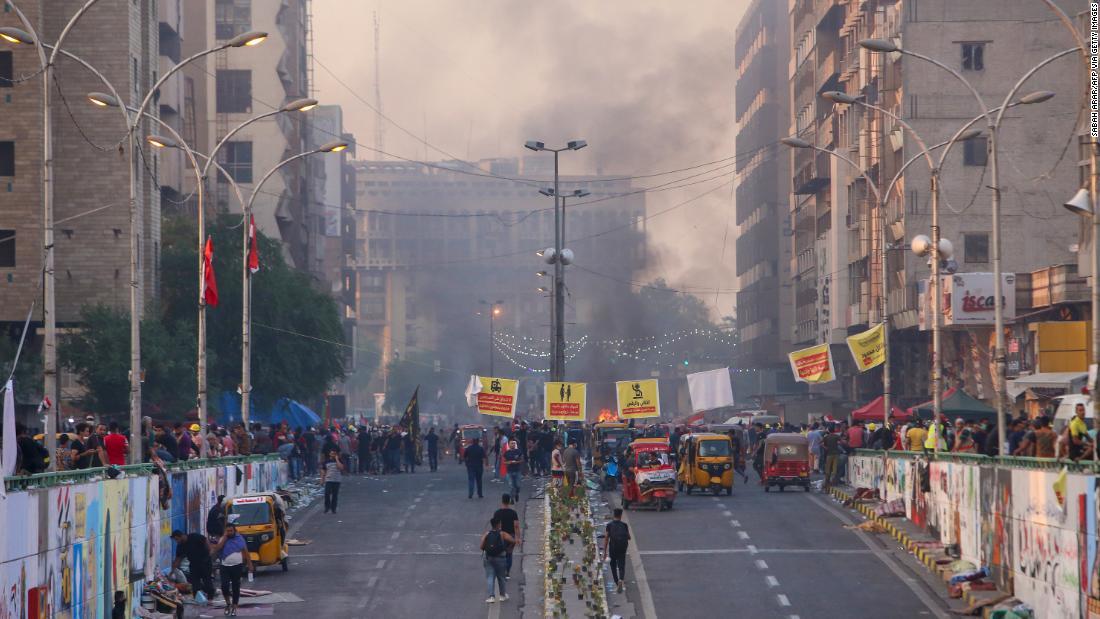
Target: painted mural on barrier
pixel 996 510
pixel 79 543
pixel 1090 553
pixel 955 489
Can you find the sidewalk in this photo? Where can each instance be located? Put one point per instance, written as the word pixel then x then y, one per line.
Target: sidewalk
pixel 981 597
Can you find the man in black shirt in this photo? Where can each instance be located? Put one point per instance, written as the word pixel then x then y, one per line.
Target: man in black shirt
pixel 432 440
pixel 196 549
pixel 475 458
pixel 91 445
pixel 509 523
pixel 615 543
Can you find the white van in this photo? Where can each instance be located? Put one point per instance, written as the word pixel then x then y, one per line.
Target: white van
pixel 1064 407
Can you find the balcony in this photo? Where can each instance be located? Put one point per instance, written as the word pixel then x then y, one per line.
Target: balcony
pixel 811 179
pixel 828 72
pixel 807 260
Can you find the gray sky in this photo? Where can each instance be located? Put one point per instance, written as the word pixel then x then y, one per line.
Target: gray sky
pixel 649 84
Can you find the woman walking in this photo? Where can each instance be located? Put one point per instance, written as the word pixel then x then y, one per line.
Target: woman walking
pixel 330 477
pixel 233 552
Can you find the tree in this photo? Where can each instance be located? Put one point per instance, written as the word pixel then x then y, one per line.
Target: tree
pixel 297 337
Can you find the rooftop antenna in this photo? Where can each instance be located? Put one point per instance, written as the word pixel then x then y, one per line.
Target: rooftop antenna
pixel 379 126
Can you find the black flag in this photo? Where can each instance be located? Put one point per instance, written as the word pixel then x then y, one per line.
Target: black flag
pixel 410 421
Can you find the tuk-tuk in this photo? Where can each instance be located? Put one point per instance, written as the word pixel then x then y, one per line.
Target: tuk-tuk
pixel 609 437
pixel 786 461
pixel 261 519
pixel 706 461
pixel 468 434
pixel 648 476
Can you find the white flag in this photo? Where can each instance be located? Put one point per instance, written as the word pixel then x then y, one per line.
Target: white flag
pixel 7 458
pixel 710 390
pixel 472 390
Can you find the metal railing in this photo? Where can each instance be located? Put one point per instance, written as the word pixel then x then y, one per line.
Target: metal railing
pixel 1082 466
pixel 47 480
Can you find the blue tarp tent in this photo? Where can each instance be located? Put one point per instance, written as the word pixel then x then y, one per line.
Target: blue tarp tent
pixel 294 413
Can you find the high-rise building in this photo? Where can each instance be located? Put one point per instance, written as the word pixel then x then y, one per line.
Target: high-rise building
pixel 763 244
pixel 838 226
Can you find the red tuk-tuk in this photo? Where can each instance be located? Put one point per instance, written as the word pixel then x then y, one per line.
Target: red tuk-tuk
pixel 648 476
pixel 468 434
pixel 786 461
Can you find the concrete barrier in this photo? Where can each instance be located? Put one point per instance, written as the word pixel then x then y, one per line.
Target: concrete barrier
pixel 65 548
pixel 1013 516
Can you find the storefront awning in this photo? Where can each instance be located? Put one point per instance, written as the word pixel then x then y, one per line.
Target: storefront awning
pixel 1070 382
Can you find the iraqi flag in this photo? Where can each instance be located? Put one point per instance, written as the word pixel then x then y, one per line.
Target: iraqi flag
pixel 209 283
pixel 253 249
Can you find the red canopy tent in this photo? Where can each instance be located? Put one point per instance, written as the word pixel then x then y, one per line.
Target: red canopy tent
pixel 873 411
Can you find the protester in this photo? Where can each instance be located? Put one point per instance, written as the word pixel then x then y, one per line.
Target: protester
pixel 571 460
pixel 965 442
pixel 408 447
pixel 184 443
pixel 196 549
pixel 261 441
pixel 63 456
pixel 118 611
pixel 615 544
pixel 513 461
pixel 476 459
pixel 1079 442
pixel 814 437
pixel 509 523
pixel 915 436
pixel 234 555
pixel 330 478
pixel 242 441
pixel 431 441
pixel 832 448
pixel 557 464
pixel 116 445
pixel 215 518
pixel 494 544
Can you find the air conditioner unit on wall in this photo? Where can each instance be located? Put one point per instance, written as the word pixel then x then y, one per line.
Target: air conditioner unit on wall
pixel 897 229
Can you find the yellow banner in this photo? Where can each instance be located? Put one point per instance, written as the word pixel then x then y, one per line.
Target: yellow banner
pixel 497 396
pixel 812 365
pixel 868 348
pixel 566 401
pixel 638 399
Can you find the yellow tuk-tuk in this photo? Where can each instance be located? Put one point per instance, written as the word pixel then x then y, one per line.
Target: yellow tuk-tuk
pixel 611 437
pixel 261 519
pixel 706 461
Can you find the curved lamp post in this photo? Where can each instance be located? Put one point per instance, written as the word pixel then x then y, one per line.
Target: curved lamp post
pixel 246 274
pixel 993 124
pixel 30 36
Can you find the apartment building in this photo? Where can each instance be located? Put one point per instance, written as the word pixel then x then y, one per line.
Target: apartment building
pixel 839 228
pixel 91 176
pixel 762 187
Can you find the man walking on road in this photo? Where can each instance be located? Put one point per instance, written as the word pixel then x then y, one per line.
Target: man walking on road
pixel 476 458
pixel 494 543
pixel 330 479
pixel 432 440
pixel 513 461
pixel 572 464
pixel 509 523
pixel 615 543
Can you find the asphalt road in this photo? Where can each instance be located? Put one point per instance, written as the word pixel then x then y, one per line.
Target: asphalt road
pixel 399 546
pixel 783 555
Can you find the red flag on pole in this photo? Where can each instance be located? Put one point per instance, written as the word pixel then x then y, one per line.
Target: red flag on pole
pixel 209 284
pixel 253 249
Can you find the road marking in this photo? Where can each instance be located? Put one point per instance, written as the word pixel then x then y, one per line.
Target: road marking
pixel 772 581
pixel 793 617
pixel 783 601
pixel 727 513
pixel 381 564
pixel 649 610
pixel 416 500
pixel 721 506
pixel 373 580
pixel 735 523
pixel 930 602
pixel 401 522
pixel 754 550
pixel 742 535
pixel 391 553
pixel 761 565
pixel 396 534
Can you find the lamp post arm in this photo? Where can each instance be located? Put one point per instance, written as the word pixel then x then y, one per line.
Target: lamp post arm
pixel 232 132
pixel 909 162
pixel 977 96
pixel 43 60
pixel 848 160
pixel 69 26
pixel 102 78
pixel 169 73
pixel 925 151
pixel 1074 32
pixel 259 185
pixel 1025 77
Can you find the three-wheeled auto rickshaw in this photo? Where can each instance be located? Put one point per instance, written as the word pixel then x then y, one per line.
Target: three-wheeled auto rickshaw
pixel 468 433
pixel 609 437
pixel 786 461
pixel 706 462
pixel 261 519
pixel 648 476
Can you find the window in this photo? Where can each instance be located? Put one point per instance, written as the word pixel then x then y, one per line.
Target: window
pixel 7 248
pixel 976 247
pixel 236 157
pixel 973 56
pixel 975 151
pixel 6 69
pixel 232 17
pixel 234 91
pixel 7 158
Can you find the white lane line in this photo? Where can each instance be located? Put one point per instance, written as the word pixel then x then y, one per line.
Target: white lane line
pixel 417 500
pixel 793 617
pixel 760 564
pixel 783 601
pixel 396 534
pixel 772 581
pixel 742 535
pixel 754 550
pixel 735 523
pixel 720 505
pixel 401 522
pixel 727 513
pixel 373 580
pixel 649 610
pixel 929 602
pixel 381 564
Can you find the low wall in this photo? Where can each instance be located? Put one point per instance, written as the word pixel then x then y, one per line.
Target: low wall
pixel 64 549
pixel 1038 545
